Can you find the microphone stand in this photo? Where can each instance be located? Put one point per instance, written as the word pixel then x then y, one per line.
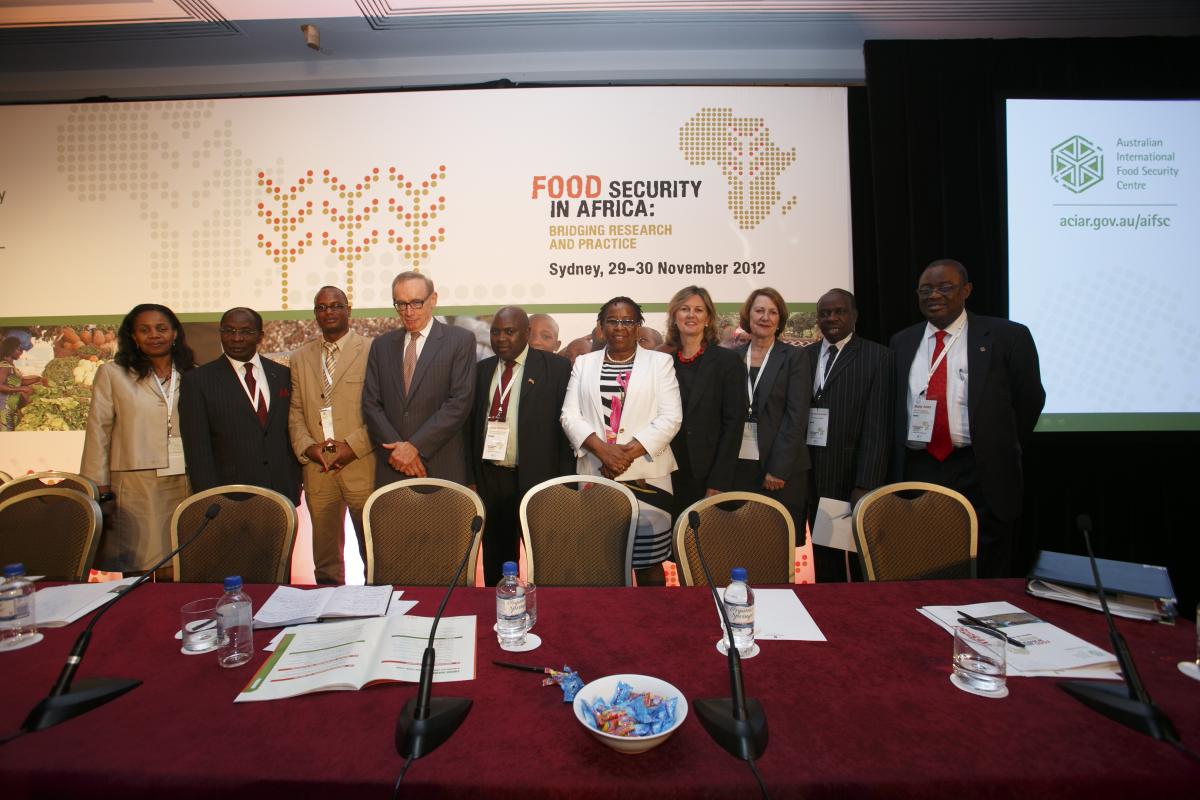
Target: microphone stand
pixel 1128 704
pixel 738 724
pixel 65 702
pixel 425 723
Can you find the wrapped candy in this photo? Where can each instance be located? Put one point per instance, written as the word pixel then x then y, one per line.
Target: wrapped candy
pixel 567 679
pixel 631 713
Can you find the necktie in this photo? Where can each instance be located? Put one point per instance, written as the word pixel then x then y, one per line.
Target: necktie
pixel 499 409
pixel 327 374
pixel 252 387
pixel 830 357
pixel 940 445
pixel 410 359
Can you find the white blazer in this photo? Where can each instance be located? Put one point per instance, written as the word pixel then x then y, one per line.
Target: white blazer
pixel 653 412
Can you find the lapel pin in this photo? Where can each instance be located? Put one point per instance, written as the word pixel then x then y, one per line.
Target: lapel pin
pixel 531 381
pixel 982 349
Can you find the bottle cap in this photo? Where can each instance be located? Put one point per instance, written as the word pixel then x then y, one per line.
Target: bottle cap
pixel 738 574
pixel 13 570
pixel 233 582
pixel 509 568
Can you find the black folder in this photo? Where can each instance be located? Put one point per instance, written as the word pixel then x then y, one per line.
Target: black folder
pixel 1138 591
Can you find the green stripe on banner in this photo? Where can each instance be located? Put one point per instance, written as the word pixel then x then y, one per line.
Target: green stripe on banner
pixel 1052 423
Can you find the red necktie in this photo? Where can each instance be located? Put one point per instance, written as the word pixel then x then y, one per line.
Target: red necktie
pixel 500 410
pixel 251 386
pixel 940 445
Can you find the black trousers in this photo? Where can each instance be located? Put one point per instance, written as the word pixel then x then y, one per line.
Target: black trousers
pixel 498 488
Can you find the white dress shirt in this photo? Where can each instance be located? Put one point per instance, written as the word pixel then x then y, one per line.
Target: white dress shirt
pixel 819 378
pixel 514 403
pixel 422 340
pixel 956 379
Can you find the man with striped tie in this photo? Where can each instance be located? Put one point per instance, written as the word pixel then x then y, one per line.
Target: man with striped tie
pixel 328 433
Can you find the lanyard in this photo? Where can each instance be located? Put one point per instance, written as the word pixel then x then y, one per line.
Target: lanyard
pixel 954 337
pixel 507 389
pixel 258 384
pixel 823 373
pixel 751 388
pixel 168 396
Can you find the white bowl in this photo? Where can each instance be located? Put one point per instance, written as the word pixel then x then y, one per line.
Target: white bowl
pixel 603 688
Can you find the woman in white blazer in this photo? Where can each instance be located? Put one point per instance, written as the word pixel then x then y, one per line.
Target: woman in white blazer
pixel 621 412
pixel 132 448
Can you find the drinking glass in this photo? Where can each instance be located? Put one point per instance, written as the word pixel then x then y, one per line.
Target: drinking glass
pixel 979 658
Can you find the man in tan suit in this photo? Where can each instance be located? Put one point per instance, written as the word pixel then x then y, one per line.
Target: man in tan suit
pixel 328 434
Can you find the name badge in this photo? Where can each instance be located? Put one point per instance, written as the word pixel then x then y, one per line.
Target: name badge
pixel 495 440
pixel 749 448
pixel 920 423
pixel 818 426
pixel 175 465
pixel 327 422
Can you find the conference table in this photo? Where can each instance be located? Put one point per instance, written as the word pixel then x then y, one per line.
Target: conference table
pixel 870 712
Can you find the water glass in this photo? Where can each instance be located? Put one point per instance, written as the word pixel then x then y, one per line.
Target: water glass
pixel 979 658
pixel 199 625
pixel 531 605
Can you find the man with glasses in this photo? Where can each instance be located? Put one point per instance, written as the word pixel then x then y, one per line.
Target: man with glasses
pixel 969 391
pixel 417 391
pixel 233 414
pixel 328 433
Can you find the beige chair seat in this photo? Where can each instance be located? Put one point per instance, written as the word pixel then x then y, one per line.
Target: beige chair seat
pixel 50 479
pixel 738 529
pixel 251 536
pixel 914 531
pixel 417 530
pixel 53 532
pixel 579 531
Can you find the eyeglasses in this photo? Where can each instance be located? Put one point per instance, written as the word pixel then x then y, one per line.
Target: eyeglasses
pixel 620 323
pixel 415 305
pixel 321 308
pixel 945 290
pixel 240 333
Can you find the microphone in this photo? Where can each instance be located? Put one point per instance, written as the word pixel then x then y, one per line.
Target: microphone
pixel 737 724
pixel 63 702
pixel 425 723
pixel 1130 704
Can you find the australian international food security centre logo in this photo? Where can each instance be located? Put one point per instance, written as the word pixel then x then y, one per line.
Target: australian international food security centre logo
pixel 1077 164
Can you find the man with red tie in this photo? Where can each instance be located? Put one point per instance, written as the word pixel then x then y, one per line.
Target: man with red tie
pixel 516 441
pixel 968 394
pixel 233 414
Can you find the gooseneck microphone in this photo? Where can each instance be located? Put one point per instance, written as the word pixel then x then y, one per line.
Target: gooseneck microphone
pixel 65 700
pixel 1129 704
pixel 737 724
pixel 426 723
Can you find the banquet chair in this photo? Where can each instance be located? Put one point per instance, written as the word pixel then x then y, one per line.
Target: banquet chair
pixel 417 530
pixel 4 477
pixel 251 536
pixel 738 529
pixel 579 531
pixel 915 531
pixel 53 532
pixel 50 479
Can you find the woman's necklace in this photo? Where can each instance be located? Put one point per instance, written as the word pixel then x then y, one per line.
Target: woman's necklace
pixel 609 358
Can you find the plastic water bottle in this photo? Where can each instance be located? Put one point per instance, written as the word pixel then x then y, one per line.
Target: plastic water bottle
pixel 16 607
pixel 511 619
pixel 235 620
pixel 739 607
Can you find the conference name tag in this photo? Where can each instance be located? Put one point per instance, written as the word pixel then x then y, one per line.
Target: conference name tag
pixel 327 423
pixel 818 426
pixel 920 423
pixel 175 465
pixel 749 449
pixel 495 440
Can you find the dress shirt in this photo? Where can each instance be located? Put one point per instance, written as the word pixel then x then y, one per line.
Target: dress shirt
pixel 421 341
pixel 956 379
pixel 260 379
pixel 819 378
pixel 514 403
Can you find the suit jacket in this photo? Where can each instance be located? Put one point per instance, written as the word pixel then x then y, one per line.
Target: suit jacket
pixel 858 393
pixel 652 412
pixel 542 449
pixel 713 418
pixel 780 405
pixel 1004 399
pixel 304 414
pixel 127 424
pixel 433 416
pixel 222 440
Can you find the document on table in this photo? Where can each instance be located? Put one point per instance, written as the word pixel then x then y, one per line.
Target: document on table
pixel 779 614
pixel 288 605
pixel 833 526
pixel 396 607
pixel 56 606
pixel 350 655
pixel 1049 650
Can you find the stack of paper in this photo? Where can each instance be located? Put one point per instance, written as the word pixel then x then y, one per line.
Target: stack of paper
pixel 56 606
pixel 1049 651
pixel 291 606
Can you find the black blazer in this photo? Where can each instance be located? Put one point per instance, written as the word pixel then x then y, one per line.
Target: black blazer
pixel 542 448
pixel 1004 400
pixel 713 418
pixel 222 440
pixel 858 393
pixel 780 405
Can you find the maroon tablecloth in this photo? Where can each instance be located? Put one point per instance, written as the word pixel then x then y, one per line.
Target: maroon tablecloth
pixel 870 712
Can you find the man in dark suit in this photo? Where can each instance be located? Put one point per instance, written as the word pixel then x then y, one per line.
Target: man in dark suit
pixel 417 391
pixel 850 419
pixel 968 394
pixel 516 441
pixel 233 414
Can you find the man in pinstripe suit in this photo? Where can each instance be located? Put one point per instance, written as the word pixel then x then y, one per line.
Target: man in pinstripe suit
pixel 852 402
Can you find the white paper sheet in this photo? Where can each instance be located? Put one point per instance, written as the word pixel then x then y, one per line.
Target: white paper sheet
pixel 833 526
pixel 779 615
pixel 57 606
pixel 396 608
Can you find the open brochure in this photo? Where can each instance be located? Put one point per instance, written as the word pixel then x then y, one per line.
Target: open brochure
pixel 57 606
pixel 349 655
pixel 1049 651
pixel 291 606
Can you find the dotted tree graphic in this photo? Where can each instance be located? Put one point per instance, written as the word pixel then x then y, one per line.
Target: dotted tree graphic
pixel 416 211
pixel 351 212
pixel 284 215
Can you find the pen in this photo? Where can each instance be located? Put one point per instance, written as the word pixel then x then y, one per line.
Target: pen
pixel 964 617
pixel 524 667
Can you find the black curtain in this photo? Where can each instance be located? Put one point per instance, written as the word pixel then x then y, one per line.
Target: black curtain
pixel 926 168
